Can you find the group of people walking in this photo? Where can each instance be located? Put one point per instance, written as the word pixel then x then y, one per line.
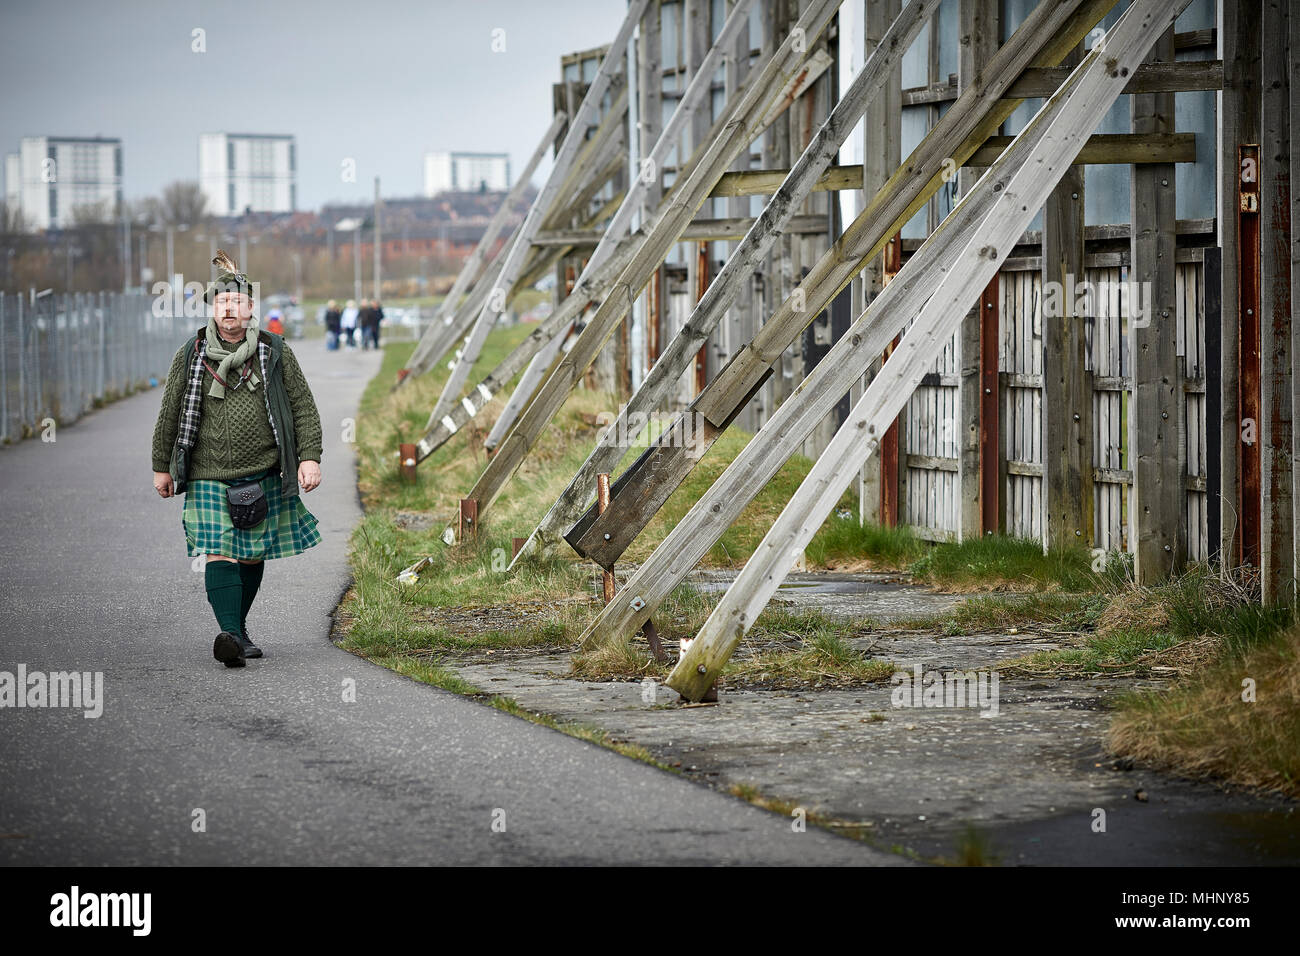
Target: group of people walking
pixel 341 327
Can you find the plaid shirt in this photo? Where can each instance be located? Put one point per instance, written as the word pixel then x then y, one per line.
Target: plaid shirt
pixel 192 409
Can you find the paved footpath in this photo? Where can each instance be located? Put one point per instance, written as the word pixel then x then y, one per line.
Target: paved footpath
pixel 270 760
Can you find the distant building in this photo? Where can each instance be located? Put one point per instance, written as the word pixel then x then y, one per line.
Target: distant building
pixel 465 172
pixel 51 176
pixel 248 171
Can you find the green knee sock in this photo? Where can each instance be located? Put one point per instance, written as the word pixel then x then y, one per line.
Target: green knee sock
pixel 251 575
pixel 225 592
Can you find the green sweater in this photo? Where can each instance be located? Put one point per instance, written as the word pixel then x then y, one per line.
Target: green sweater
pixel 235 437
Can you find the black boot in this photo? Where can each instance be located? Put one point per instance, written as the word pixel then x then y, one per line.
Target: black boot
pixel 229 649
pixel 251 650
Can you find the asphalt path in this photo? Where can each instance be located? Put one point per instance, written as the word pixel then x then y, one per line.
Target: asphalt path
pixel 193 763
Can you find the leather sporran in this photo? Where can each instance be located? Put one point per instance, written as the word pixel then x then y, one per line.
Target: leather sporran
pixel 247 503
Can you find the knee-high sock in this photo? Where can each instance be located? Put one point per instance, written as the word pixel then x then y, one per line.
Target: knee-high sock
pixel 225 592
pixel 251 575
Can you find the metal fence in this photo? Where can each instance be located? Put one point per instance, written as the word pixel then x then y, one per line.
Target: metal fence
pixel 61 355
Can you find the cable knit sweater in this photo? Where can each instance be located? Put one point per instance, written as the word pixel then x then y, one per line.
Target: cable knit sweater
pixel 235 437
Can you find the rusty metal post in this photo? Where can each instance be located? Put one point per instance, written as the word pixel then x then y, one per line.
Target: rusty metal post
pixel 406 456
pixel 468 519
pixel 602 502
pixel 1248 351
pixel 515 545
pixel 702 286
pixel 607 577
pixel 890 512
pixel 990 446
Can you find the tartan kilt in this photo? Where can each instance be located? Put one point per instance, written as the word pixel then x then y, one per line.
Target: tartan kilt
pixel 288 528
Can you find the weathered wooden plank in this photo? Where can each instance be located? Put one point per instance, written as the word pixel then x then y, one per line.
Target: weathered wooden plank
pixel 979 26
pixel 598 158
pixel 1067 385
pixel 1150 78
pixel 1099 149
pixel 932 463
pixel 608 165
pixel 699 230
pixel 528 383
pixel 990 422
pixel 1293 69
pixel 1112 149
pixel 757 182
pixel 1213 313
pixel 595 284
pixel 1158 409
pixel 1027 187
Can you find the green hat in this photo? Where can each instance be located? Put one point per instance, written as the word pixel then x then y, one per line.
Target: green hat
pixel 229 278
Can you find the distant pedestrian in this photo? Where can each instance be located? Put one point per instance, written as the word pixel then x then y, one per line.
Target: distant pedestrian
pixel 237 417
pixel 370 324
pixel 363 322
pixel 274 322
pixel 348 323
pixel 379 318
pixel 332 319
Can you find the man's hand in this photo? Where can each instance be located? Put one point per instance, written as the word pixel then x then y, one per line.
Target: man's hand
pixel 162 483
pixel 308 475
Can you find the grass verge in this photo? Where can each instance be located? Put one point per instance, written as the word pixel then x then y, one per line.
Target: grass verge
pixel 1237 719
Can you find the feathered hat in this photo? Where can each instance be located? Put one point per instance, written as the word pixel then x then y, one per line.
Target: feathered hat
pixel 229 278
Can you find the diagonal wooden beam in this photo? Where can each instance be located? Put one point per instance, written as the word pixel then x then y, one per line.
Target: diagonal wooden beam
pixel 1024 188
pixel 591 288
pixel 1044 38
pixel 454 329
pixel 528 383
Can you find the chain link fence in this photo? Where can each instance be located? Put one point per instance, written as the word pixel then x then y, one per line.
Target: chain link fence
pixel 63 355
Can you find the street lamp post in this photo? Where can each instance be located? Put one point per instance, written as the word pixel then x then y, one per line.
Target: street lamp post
pixel 356 260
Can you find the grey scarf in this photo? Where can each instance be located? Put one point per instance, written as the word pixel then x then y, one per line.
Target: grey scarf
pixel 231 359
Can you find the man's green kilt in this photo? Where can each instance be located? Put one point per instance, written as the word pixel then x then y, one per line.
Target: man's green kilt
pixel 288 528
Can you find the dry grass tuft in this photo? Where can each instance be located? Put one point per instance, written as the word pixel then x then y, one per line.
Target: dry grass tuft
pixel 1206 729
pixel 616 661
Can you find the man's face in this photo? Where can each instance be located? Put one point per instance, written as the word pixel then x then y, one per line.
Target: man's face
pixel 232 311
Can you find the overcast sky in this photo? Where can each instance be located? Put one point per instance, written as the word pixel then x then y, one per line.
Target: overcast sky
pixel 379 81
